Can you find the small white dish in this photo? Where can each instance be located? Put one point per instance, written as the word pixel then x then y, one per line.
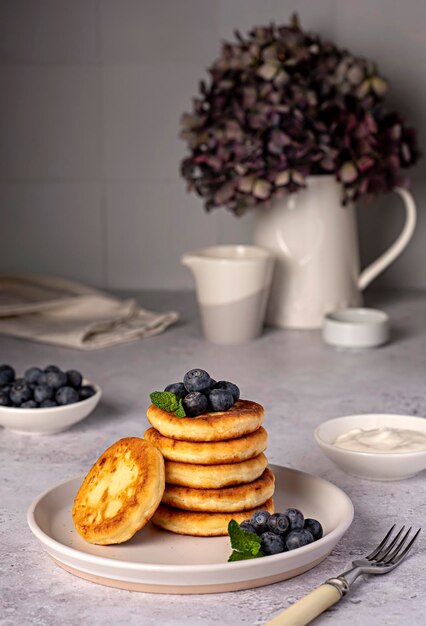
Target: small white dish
pixel 356 328
pixel 372 465
pixel 158 561
pixel 51 420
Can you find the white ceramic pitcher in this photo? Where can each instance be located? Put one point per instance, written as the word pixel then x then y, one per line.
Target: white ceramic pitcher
pixel 315 244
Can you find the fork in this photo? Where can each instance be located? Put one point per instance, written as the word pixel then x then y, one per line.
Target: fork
pixel 383 559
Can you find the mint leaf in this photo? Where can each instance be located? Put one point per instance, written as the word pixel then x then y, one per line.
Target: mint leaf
pixel 242 540
pixel 180 411
pixel 167 401
pixel 242 556
pixel 245 545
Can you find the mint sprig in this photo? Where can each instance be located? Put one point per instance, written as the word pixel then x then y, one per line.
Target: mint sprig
pixel 180 411
pixel 168 401
pixel 245 545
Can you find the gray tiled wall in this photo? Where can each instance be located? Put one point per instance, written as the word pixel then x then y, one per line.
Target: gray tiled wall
pixel 91 96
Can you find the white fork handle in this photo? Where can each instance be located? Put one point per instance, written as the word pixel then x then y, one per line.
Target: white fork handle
pixel 308 608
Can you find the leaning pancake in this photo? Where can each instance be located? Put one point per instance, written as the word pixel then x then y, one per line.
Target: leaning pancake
pixel 120 493
pixel 212 452
pixel 242 418
pixel 215 476
pixel 226 499
pixel 201 524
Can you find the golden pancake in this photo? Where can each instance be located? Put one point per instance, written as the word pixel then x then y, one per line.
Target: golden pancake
pixel 226 499
pixel 214 476
pixel 120 493
pixel 212 452
pixel 242 418
pixel 201 524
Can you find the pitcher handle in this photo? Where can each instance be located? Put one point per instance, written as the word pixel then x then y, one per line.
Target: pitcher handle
pixel 380 264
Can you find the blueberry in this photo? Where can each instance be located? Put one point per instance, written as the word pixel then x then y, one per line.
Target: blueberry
pixel 296 518
pixel 29 404
pixel 66 395
pixel 298 538
pixel 20 392
pixel 207 390
pixel 47 404
pixel 42 379
pixel 86 391
pixel 314 528
pixel 220 399
pixel 56 380
pixel 32 375
pixel 278 523
pixel 259 520
pixel 7 374
pixel 52 368
pixel 178 389
pixel 233 389
pixel 195 403
pixel 196 380
pixel 43 392
pixel 272 543
pixel 249 528
pixel 4 398
pixel 74 378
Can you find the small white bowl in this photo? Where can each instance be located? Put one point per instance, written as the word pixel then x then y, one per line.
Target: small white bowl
pixel 356 328
pixel 51 420
pixel 372 465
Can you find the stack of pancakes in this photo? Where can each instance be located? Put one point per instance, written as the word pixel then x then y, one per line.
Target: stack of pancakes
pixel 215 468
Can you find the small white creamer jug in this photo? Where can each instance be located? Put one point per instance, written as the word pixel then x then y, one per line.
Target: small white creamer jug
pixel 232 284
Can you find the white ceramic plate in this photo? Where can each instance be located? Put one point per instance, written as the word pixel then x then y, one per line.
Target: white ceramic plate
pixel 51 420
pixel 158 561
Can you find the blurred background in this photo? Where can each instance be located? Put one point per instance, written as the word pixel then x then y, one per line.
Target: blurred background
pixel 91 97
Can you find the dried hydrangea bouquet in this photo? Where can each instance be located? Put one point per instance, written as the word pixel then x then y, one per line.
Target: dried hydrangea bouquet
pixel 297 128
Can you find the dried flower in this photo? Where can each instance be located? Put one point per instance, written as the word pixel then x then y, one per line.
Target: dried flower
pixel 282 104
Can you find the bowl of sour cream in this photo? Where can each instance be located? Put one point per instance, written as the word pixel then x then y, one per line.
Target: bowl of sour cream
pixel 375 446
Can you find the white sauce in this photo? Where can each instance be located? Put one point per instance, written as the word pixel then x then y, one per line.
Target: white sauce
pixel 384 440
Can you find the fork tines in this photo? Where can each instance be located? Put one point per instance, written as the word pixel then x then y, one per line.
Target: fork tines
pixel 388 552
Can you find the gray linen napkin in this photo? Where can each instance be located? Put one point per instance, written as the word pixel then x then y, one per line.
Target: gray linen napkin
pixel 61 312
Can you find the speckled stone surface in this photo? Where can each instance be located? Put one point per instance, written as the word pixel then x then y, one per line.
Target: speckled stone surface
pixel 301 382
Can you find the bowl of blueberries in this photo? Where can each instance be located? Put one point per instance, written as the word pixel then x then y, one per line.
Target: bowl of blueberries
pixel 45 400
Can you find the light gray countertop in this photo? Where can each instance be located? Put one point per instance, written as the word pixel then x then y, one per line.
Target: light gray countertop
pixel 301 382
